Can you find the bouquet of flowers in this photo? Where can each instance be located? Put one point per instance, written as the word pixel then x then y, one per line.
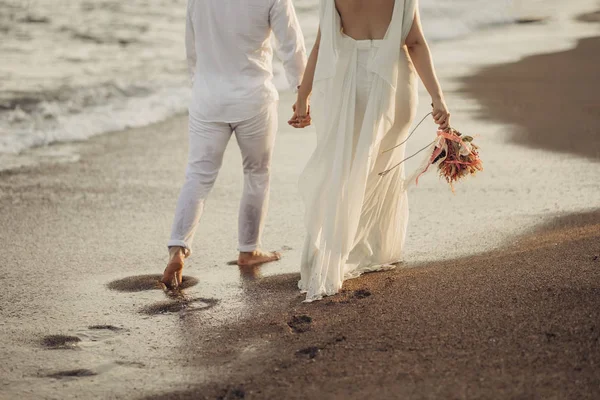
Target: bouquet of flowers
pixel 456 156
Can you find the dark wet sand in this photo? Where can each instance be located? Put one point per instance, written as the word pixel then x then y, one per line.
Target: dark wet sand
pixel 521 322
pixel 590 17
pixel 552 98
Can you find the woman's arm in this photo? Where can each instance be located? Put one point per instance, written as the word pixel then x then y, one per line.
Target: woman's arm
pixel 421 58
pixel 301 117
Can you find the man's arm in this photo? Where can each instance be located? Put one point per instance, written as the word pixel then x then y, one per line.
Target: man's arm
pixel 190 40
pixel 290 41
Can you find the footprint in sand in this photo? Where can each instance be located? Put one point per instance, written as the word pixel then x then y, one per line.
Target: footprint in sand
pixel 111 328
pixel 361 294
pixel 143 283
pixel 74 373
pixel 60 342
pixel 94 333
pixel 311 352
pixel 178 305
pixel 179 300
pixel 99 333
pixel 300 323
pixel 84 372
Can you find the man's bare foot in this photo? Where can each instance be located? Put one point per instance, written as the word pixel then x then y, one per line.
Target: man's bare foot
pixel 173 275
pixel 257 257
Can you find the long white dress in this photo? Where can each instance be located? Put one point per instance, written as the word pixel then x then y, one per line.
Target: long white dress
pixel 364 100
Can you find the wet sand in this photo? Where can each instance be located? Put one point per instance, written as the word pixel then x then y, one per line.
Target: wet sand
pixel 508 309
pixel 590 17
pixel 522 322
pixel 552 98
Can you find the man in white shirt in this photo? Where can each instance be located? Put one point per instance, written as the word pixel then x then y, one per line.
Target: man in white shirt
pixel 230 55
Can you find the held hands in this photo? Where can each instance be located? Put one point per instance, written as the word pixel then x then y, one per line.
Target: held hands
pixel 440 113
pixel 301 117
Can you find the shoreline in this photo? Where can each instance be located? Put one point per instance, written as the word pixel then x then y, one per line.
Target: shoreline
pixel 81 95
pixel 496 313
pixel 570 96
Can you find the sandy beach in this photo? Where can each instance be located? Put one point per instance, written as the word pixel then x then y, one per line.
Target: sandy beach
pixel 521 322
pixel 559 84
pixel 500 300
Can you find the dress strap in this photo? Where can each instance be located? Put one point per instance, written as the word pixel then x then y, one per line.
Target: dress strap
pixel 410 10
pixel 330 26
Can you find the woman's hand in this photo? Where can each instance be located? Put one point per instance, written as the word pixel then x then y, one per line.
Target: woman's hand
pixel 301 117
pixel 440 113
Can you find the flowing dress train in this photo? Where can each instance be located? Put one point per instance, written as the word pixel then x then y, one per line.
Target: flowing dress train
pixel 364 101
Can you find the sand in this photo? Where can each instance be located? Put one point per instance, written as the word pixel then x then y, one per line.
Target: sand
pixel 516 323
pixel 554 102
pixel 508 309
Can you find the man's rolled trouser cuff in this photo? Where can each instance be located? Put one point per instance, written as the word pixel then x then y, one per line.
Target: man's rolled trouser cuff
pixel 248 248
pixel 180 243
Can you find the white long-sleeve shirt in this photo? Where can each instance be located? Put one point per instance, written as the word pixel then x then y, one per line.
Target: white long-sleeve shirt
pixel 230 55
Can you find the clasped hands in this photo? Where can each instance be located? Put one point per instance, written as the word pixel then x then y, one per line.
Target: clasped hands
pixel 301 117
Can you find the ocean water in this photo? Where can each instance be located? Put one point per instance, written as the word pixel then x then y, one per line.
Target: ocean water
pixel 72 69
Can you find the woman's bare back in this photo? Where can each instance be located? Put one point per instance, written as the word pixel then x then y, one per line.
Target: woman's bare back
pixel 365 19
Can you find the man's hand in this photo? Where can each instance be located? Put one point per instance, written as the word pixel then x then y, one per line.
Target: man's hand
pixel 301 117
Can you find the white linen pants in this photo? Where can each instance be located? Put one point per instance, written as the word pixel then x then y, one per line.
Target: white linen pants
pixel 208 141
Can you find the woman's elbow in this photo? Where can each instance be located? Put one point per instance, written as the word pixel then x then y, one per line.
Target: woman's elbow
pixel 415 44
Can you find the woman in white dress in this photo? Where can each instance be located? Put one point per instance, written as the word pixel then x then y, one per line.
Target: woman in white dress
pixel 361 74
